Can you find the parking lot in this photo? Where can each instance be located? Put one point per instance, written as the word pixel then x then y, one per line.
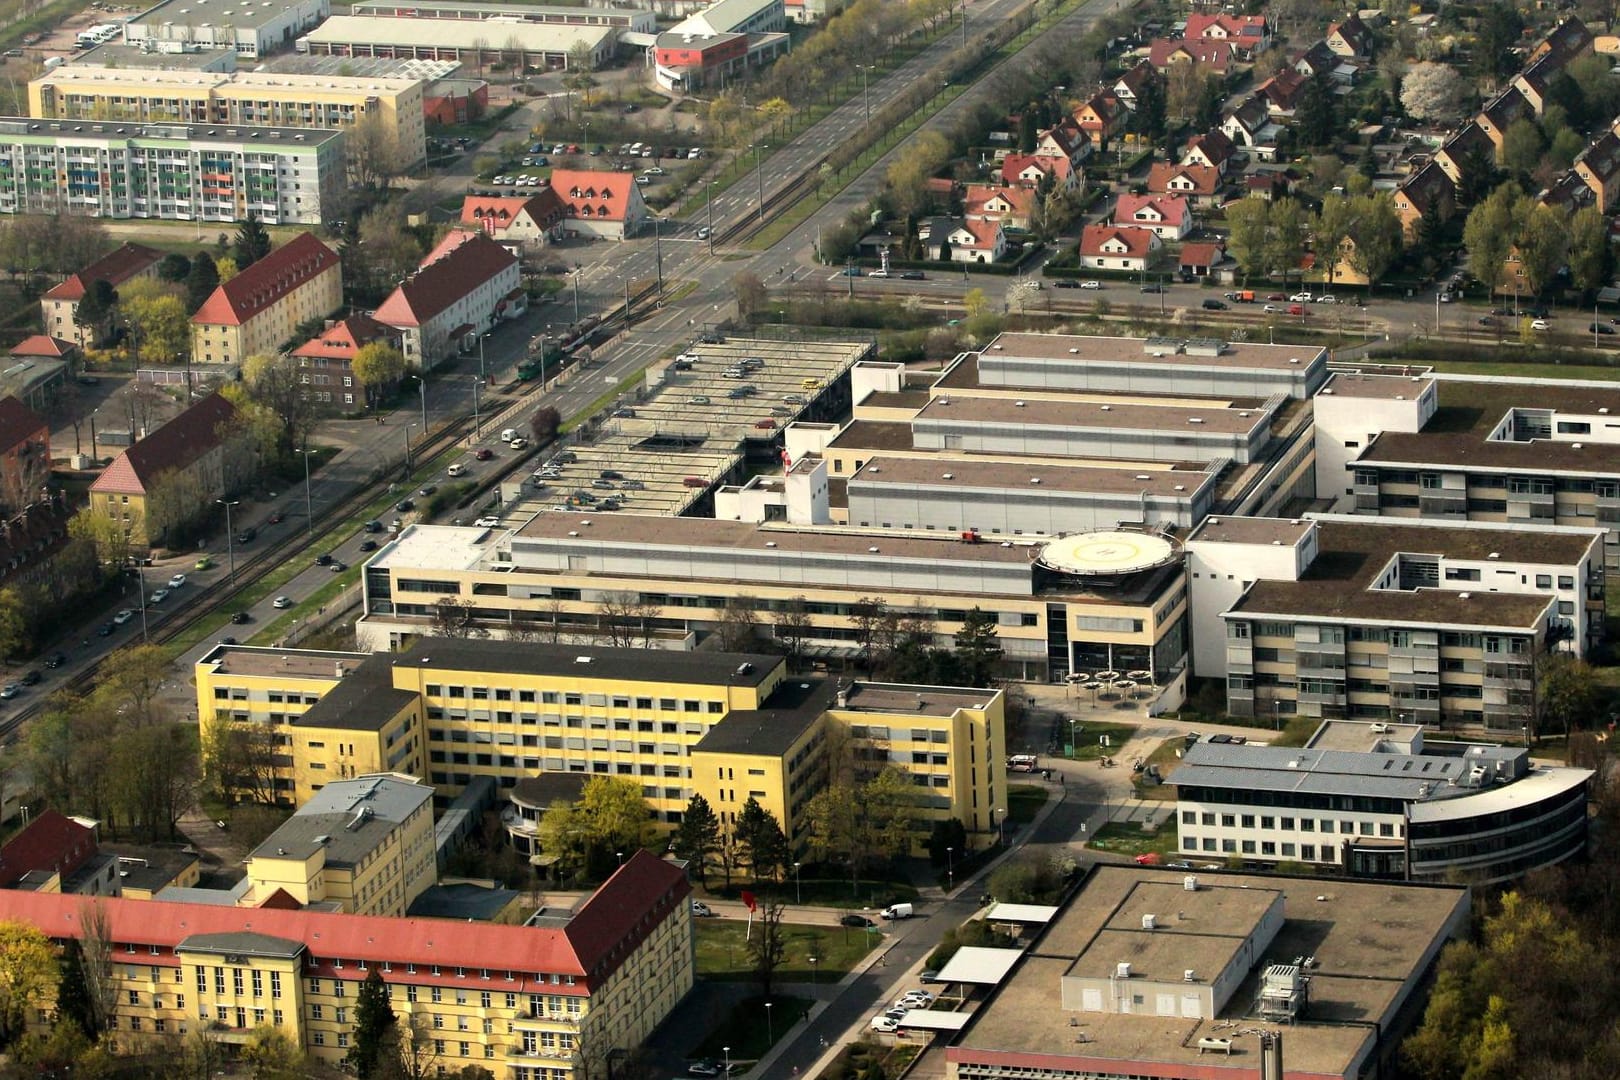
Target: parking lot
pixel 661 449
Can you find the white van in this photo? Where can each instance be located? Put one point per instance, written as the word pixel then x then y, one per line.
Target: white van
pixel 508 435
pixel 897 911
pixel 458 469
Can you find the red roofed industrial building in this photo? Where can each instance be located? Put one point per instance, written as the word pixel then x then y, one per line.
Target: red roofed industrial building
pixel 61 302
pixel 525 999
pixel 260 309
pixel 192 442
pixel 465 286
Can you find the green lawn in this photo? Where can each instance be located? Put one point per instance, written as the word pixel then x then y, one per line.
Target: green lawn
pixel 722 950
pixel 1024 801
pixel 1089 735
pixel 1164 756
pixel 1129 839
pixel 748 1033
pixel 822 888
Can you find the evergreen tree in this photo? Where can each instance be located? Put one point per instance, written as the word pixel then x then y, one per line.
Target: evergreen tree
pixel 1027 129
pixel 174 267
pixel 252 242
pixel 978 649
pixel 93 311
pixel 374 1024
pixel 1151 121
pixel 201 281
pixel 73 1000
pixel 1314 120
pixel 697 837
pixel 760 839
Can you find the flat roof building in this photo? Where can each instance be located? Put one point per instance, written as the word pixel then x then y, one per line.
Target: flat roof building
pixel 1184 366
pixel 534 44
pixel 1381 619
pixel 620 18
pixel 1381 800
pixel 1166 976
pixel 248 29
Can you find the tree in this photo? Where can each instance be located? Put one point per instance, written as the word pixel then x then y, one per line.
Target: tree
pixel 201 281
pixel 374 1024
pixel 416 1050
pixel 1568 695
pixel 73 1004
pixel 375 157
pixel 454 618
pixel 738 626
pixel 272 1055
pixel 1285 236
pixel 95 308
pixel 274 382
pixel 1247 219
pixel 1497 30
pixel 767 948
pixel 945 840
pixel 793 629
pixel 159 321
pixel 1522 144
pixel 1329 229
pixel 378 367
pixel 697 837
pixel 174 268
pixel 760 840
pixel 95 946
pixel 1316 120
pixel 1488 235
pixel 978 649
pixel 889 812
pixel 919 160
pixel 1149 118
pixel 252 242
pixel 750 293
pixel 1591 256
pixel 1378 236
pixel 544 424
pixel 28 975
pixel 239 758
pixel 15 631
pixel 615 816
pixel 1434 91
pixel 625 618
pixel 1542 242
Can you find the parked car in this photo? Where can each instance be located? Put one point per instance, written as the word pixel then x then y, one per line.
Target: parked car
pixel 913 275
pixel 1327 298
pixel 487 522
pixel 1540 324
pixel 1153 288
pixel 859 922
pixel 1601 328
pixel 1065 283
pixel 885 1025
pixel 1090 283
pixel 701 910
pixel 1214 305
pixel 281 603
pixel 1300 298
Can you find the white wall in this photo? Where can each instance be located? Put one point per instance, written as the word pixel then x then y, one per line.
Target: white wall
pixel 1218 573
pixel 869 377
pixel 1347 423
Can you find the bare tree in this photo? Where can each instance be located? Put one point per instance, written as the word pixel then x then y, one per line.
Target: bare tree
pixel 418 1051
pixel 739 626
pixel 625 620
pixel 453 618
pixel 770 947
pixel 97 946
pixel 793 629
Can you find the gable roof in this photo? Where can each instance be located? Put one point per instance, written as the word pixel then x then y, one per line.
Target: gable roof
pixel 607 195
pixel 1471 138
pixel 493 213
pixel 1134 79
pixel 280 273
pixel 1319 58
pixel 601 934
pixel 1283 89
pixel 1602 157
pixel 984 233
pixel 18 423
pixel 1569 193
pixel 1564 42
pixel 173 446
pixel 343 339
pixel 51 842
pixel 1216 55
pixel 43 345
pixel 1138 242
pixel 1252 115
pixel 1215 145
pixel 1506 107
pixel 1021 199
pixel 462 262
pixel 1067 134
pixel 1105 105
pixel 1353 32
pixel 1172 209
pixel 1427 186
pixel 1202 254
pixel 114 268
pixel 1250 28
pixel 1013 166
pixel 1206 179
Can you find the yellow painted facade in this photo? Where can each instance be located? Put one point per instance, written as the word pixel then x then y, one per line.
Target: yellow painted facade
pixel 269 327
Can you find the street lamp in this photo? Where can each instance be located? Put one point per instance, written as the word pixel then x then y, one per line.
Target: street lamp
pixel 477 422
pixel 727 1050
pixel 620 854
pixel 813 960
pixel 950 869
pixel 770 1029
pixel 421 390
pixel 309 503
pixel 798 893
pixel 759 173
pixel 1001 833
pixel 1071 737
pixel 866 97
pixel 408 447
pixel 709 198
pixel 140 592
pixel 230 549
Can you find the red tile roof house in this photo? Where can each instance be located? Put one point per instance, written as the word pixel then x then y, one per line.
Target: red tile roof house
pixel 25 454
pixel 1211 57
pixel 1283 92
pixel 465 286
pixel 1128 85
pixel 1029 170
pixel 1251 33
pixel 54 360
pixel 47 854
pixel 1199 184
pixel 1011 206
pixel 1200 260
pixel 974 241
pixel 1167 215
pixel 1213 149
pixel 192 442
pixel 1116 247
pixel 327 359
pixel 261 308
pixel 596 203
pixel 1101 117
pixel 1066 140
pixel 524 219
pixel 128 263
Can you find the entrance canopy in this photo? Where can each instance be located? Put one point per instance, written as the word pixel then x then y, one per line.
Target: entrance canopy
pixel 978 965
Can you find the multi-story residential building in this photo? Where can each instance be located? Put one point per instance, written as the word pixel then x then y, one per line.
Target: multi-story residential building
pixel 676 723
pixel 193 442
pixel 1379 619
pixel 260 309
pixel 334 717
pixel 1530 452
pixel 1159 975
pixel 264 99
pixel 54 853
pixel 463 287
pixel 554 1000
pixel 25 455
pixel 361 846
pixel 59 307
pixel 326 361
pixel 178 172
pixel 249 30
pixel 1381 800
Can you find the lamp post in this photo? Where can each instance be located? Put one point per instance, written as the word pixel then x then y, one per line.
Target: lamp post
pixel 575 276
pixel 727 1050
pixel 620 854
pixel 140 592
pixel 421 388
pixel 477 420
pixel 1001 833
pixel 759 173
pixel 230 537
pixel 798 893
pixel 709 198
pixel 770 1029
pixel 408 447
pixel 866 97
pixel 813 960
pixel 309 502
pixel 950 869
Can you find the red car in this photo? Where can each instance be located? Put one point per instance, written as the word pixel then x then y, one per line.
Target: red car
pixel 483 453
pixel 277 518
pixel 1276 296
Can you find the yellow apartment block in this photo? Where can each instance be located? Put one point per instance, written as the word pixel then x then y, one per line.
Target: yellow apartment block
pixel 549 1001
pixel 724 725
pixel 333 716
pixel 362 846
pixel 260 310
pixel 246 98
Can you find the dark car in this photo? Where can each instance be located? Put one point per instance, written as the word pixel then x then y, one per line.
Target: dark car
pixel 1214 305
pixel 227 640
pixel 247 536
pixel 1153 288
pixel 857 921
pixel 611 474
pixel 1065 283
pixel 373 526
pixel 276 518
pixel 404 506
pixel 241 617
pixel 1601 328
pixel 483 453
pixel 913 275
pixel 368 545
pixel 31 678
pixel 428 489
pixel 337 567
pixel 55 660
pixel 325 559
pixel 105 630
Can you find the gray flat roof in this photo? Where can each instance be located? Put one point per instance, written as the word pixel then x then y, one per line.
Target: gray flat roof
pixel 258 661
pixel 913 699
pixel 957 473
pixel 362 701
pixel 266 138
pixel 1251 530
pixel 793 706
pixel 587 661
pixel 1389 775
pixel 217 12
pixel 1136 352
pixel 1101 415
pixel 456 33
pixel 1381 387
pixel 978 965
pixel 336 819
pixel 245 942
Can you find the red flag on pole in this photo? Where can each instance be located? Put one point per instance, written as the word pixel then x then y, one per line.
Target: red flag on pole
pixel 748 900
